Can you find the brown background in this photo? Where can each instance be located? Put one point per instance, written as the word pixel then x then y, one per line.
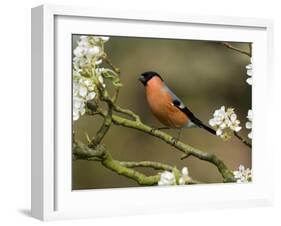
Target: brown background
pixel 204 74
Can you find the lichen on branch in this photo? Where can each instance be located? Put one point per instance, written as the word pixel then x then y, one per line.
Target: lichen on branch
pixel 100 154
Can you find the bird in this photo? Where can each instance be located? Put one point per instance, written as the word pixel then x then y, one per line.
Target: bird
pixel 167 107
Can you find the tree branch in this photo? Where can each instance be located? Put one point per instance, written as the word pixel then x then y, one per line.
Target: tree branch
pixel 108 61
pixel 243 140
pixel 228 45
pixel 156 166
pixel 99 153
pixel 250 48
pixel 127 112
pixel 150 164
pixel 106 123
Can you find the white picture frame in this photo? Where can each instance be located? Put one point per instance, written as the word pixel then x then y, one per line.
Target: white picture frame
pixel 52 197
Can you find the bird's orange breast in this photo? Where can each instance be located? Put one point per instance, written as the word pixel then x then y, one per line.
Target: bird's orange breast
pixel 161 105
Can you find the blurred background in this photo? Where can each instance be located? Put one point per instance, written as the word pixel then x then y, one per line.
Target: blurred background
pixel 204 74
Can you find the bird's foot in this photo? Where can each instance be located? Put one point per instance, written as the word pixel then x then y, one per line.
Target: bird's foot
pixel 174 140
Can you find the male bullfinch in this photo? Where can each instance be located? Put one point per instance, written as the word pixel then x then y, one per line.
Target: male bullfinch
pixel 166 106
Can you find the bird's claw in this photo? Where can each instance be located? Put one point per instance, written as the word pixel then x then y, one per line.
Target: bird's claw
pixel 174 140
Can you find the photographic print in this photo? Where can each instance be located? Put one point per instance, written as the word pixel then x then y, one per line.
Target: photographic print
pixel 160 112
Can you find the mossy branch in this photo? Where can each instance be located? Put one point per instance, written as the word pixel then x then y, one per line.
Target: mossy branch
pixel 149 164
pixel 127 112
pixel 99 153
pixel 106 123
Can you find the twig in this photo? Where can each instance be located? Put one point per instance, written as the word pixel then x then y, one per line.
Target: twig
pixel 108 61
pixel 185 156
pixel 117 70
pixel 226 44
pixel 106 123
pixel 250 48
pixel 243 140
pixel 127 112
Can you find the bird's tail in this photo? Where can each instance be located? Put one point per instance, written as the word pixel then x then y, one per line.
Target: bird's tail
pixel 209 129
pixel 202 125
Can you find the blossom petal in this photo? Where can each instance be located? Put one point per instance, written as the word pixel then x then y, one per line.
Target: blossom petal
pixel 238 128
pixel 83 91
pixel 219 132
pixel 212 122
pixel 249 81
pixel 184 171
pixel 248 125
pixel 250 135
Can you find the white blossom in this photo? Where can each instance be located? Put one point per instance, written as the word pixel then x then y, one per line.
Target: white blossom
pixel 92 51
pixel 249 68
pixel 86 61
pixel 249 123
pixel 88 51
pixel 167 178
pixel 243 175
pixel 223 119
pixel 78 107
pixel 83 91
pixel 184 176
pixel 219 117
pixel 101 81
pixel 98 61
pixel 105 39
pixel 234 123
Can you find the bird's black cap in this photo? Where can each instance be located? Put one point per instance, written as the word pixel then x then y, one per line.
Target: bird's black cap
pixel 146 76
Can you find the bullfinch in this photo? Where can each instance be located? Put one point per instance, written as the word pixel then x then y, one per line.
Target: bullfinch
pixel 166 106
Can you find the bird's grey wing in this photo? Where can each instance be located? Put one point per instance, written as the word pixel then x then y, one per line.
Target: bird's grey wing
pixel 180 105
pixel 178 102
